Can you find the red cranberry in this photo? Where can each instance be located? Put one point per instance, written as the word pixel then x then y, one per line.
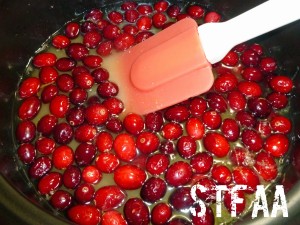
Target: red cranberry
pixel 124 146
pixel 65 64
pixel 72 30
pixel 157 164
pixel 44 59
pixel 84 193
pixel 29 87
pixel 161 6
pixel 65 82
pixel 268 64
pixel 49 183
pixel 85 133
pixel 61 200
pixel 107 89
pixel 276 144
pixel 212 119
pixel 48 74
pixel 178 174
pixel 230 129
pixel 84 80
pixel 266 166
pixel 153 189
pixel 75 116
pixel 130 29
pixel 113 217
pixel 239 207
pixel 84 214
pixel 26 153
pixel 131 15
pixel 63 133
pixel 92 61
pixel 115 17
pixel 94 15
pixel 142 36
pixel 100 75
pixel 133 123
pixel 154 121
pixel 241 157
pixel 62 157
pixel 29 108
pixel 245 119
pixel 212 17
pixel 257 48
pixel 281 84
pixel 40 167
pixel 252 140
pixel 48 93
pixel 124 41
pixel 92 39
pixel 195 11
pixel 201 162
pixel 221 174
pixel 177 113
pixel 129 177
pixel 114 105
pixel 252 74
pixel 161 213
pixel 77 51
pixel 71 177
pixel 281 124
pixel 114 125
pixel 144 9
pixel 195 128
pixel 26 131
pixel 173 11
pixel 182 16
pixel 209 195
pixel 104 48
pixel 231 59
pixel 260 107
pixel 225 82
pixel 84 154
pixel 159 19
pixel 245 176
pixel 111 31
pixel 171 131
pixel 264 128
pixel 91 174
pixel 107 162
pixel 78 96
pixel 109 197
pixel 45 145
pixel 147 142
pixel 59 105
pixel 136 212
pixel 144 23
pixel 60 41
pixel 46 124
pixel 128 5
pixel 186 147
pixel 216 102
pixel 250 58
pixel 197 106
pixel 216 143
pixel 277 100
pixel 250 89
pixel 167 147
pixel 236 100
pixel 88 26
pixel 96 114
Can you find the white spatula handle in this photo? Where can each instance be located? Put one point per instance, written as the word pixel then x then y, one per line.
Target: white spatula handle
pixel 218 38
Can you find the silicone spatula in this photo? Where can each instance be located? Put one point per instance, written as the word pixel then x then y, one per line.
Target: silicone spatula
pixel 175 64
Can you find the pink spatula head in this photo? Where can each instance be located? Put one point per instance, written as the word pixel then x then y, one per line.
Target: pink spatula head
pixel 163 70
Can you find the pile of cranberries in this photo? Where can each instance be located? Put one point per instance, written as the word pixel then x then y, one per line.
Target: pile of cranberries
pixel 100 166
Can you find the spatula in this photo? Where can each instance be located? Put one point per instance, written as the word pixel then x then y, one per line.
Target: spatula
pixel 175 64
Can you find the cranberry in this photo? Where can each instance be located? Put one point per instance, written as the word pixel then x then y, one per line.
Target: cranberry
pixel 147 142
pixel 44 59
pixel 161 213
pixel 88 26
pixel 48 74
pixel 124 146
pixel 72 30
pixel 171 131
pixel 107 89
pixel 209 195
pixel 195 11
pixel 75 116
pixel 245 119
pixel 178 174
pixel 46 124
pixel 212 17
pixel 26 153
pixel 225 82
pixel 65 64
pixel 216 102
pixel 216 143
pixel 131 15
pixel 144 23
pixel 84 214
pixel 111 31
pixel 252 74
pixel 63 133
pixel 129 177
pixel 276 144
pixel 65 82
pixel 71 177
pixel 114 125
pixel 142 36
pixel 49 183
pixel 159 20
pixel 157 164
pixel 161 6
pixel 239 207
pixel 201 162
pixel 241 157
pixel 124 41
pixel 96 114
pixel 206 219
pixel 94 15
pixel 195 128
pixel 85 133
pixel 236 100
pixel 173 11
pixel 104 48
pixel 153 189
pixel 77 51
pixel 92 61
pixel 60 41
pixel 48 93
pixel 186 147
pixel 221 174
pixel 182 16
pixel 45 145
pixel 59 105
pixel 230 129
pixel 91 174
pixel 130 29
pixel 29 87
pixel 29 108
pixel 260 107
pixel 264 128
pixel 100 75
pixel 40 167
pixel 26 131
pixel 178 113
pixel 136 212
pixel 245 176
pixel 212 119
pixel 281 124
pixel 92 39
pixel 62 157
pixel 266 166
pixel 231 59
pixel 250 89
pixel 78 96
pixel 257 48
pixel 181 199
pixel 109 197
pixel 250 58
pixel 252 140
pixel 84 154
pixel 133 123
pixel 128 5
pixel 144 9
pixel 84 193
pixel 115 17
pixel 281 84
pixel 154 121
pixel 113 217
pixel 277 100
pixel 104 141
pixel 167 147
pixel 107 162
pixel 84 80
pixel 197 106
pixel 61 200
pixel 114 105
pixel 268 64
